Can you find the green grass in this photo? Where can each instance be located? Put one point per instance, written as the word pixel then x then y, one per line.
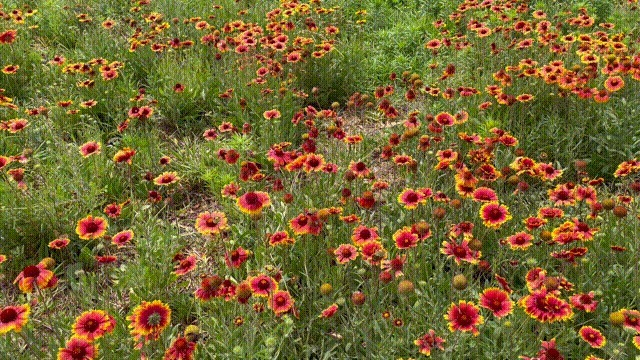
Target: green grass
pixel 318 113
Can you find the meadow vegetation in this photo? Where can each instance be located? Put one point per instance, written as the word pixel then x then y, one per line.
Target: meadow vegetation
pixel 382 179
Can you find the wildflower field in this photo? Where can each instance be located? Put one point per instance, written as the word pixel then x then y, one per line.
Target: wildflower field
pixel 319 179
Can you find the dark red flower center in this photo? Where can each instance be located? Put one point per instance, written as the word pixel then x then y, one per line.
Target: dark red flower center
pixel 252 199
pixel 360 166
pixel 280 300
pixel 412 197
pixel 585 299
pixel 553 354
pixel 31 271
pixel 91 325
pixel 78 352
pixel 181 344
pixel 92 227
pixel 495 214
pixel 562 195
pixel 365 234
pixel 8 315
pixel 459 251
pixel 211 222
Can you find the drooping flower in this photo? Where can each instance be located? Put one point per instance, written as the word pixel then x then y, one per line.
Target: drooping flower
pixel 209 287
pixel 236 258
pixel 78 348
pixel 460 252
pixel 329 311
pixel 592 336
pixel 124 155
pixel 35 275
pixel 428 341
pixel 91 227
pixel 92 325
pixel 180 349
pixel 211 223
pixel 14 318
pixel 185 266
pixel 281 238
pixel 584 302
pixel 497 301
pixel 464 317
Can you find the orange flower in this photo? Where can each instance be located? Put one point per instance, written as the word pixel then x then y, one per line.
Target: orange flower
pixel 496 300
pixel 263 285
pixel 10 69
pixel 91 227
pixel 59 243
pixel 271 114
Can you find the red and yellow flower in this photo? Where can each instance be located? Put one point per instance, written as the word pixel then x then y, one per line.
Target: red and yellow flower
pixel 91 227
pixel 92 325
pixel 180 349
pixel 78 348
pixel 253 202
pixel 592 336
pixel 280 302
pixel 465 317
pixel 14 318
pixel 497 301
pixel 494 214
pixel 211 223
pixel 428 341
pixel 149 319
